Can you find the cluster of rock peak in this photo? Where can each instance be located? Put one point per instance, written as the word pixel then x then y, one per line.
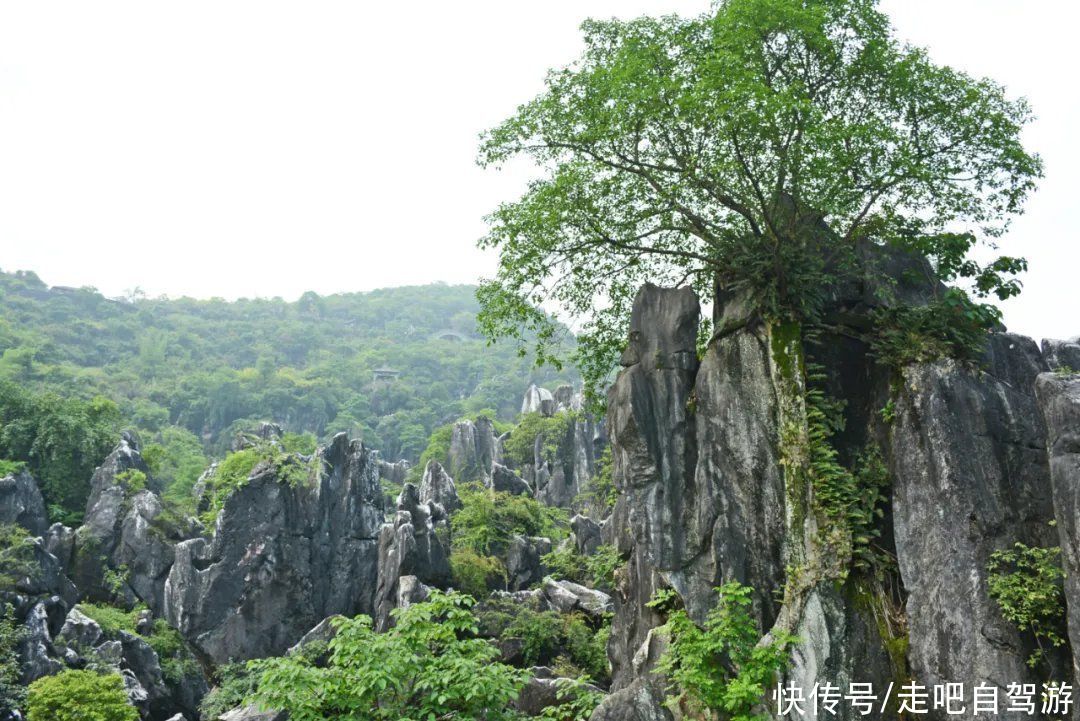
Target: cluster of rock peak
pixel 979 458
pixel 281 560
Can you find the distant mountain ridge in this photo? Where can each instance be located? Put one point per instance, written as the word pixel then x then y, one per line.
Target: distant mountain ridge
pixel 213 366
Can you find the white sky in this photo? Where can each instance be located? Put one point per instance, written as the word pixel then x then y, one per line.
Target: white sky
pixel 240 148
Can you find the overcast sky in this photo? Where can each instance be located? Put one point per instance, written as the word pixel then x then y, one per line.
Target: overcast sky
pixel 228 148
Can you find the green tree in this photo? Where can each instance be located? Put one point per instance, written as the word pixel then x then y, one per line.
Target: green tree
pixel 722 666
pixel 430 665
pixel 746 150
pixel 11 634
pixel 79 696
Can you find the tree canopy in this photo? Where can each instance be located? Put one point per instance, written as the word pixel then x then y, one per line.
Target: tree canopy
pixel 750 148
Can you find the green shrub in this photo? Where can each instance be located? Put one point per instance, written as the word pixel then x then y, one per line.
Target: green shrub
pixel 555 433
pixel 235 471
pixel 234 684
pixel 1026 582
pixel 850 501
pixel 12 693
pixel 302 443
pixel 600 490
pixel 721 667
pixel 429 665
pixel 488 519
pixel 596 571
pixel 565 562
pixel 16 556
pixel 79 696
pixel 111 619
pixel 952 327
pixel 132 481
pixel 474 574
pixel 540 633
pixel 10 468
pixel 176 660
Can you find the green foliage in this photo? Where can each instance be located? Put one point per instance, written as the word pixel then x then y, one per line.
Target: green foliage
pixel 1026 582
pixel 131 481
pixel 235 471
pixel 952 327
pixel 430 665
pixel 79 696
pixel 578 701
pixel 851 502
pixel 1065 371
pixel 176 659
pixel 475 574
pixel 595 571
pixel 61 440
pixel 722 667
pixel 10 468
pixel 176 459
pixel 706 151
pixel 115 579
pixel 211 367
pixel 554 432
pixel 12 693
pixel 111 619
pixel 488 519
pixel 302 443
pixel 233 685
pixel 16 556
pixel 540 633
pixel 177 662
pixel 572 643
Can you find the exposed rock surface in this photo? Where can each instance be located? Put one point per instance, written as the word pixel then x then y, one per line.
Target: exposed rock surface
pixel 122 533
pixel 411 546
pixel 21 503
pixel 282 558
pixel 1059 400
pixel 472 449
pixel 587 534
pixel 703 498
pixel 538 400
pixel 543 690
pixel 522 559
pixel 438 487
pixel 1062 354
pixel 504 480
pixel 970 474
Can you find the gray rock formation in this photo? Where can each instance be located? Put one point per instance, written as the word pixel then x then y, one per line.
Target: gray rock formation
pixel 1059 401
pixel 586 534
pixel 703 498
pixel 394 473
pixel 472 450
pixel 568 597
pixel 21 503
pixel 1062 354
pixel 522 559
pixel 123 532
pixel 503 480
pixel 642 700
pixel 438 487
pixel 411 546
pixel 543 690
pixel 538 400
pixel 282 558
pixel 970 477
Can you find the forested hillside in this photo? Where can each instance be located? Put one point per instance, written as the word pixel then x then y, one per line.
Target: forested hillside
pixel 76 366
